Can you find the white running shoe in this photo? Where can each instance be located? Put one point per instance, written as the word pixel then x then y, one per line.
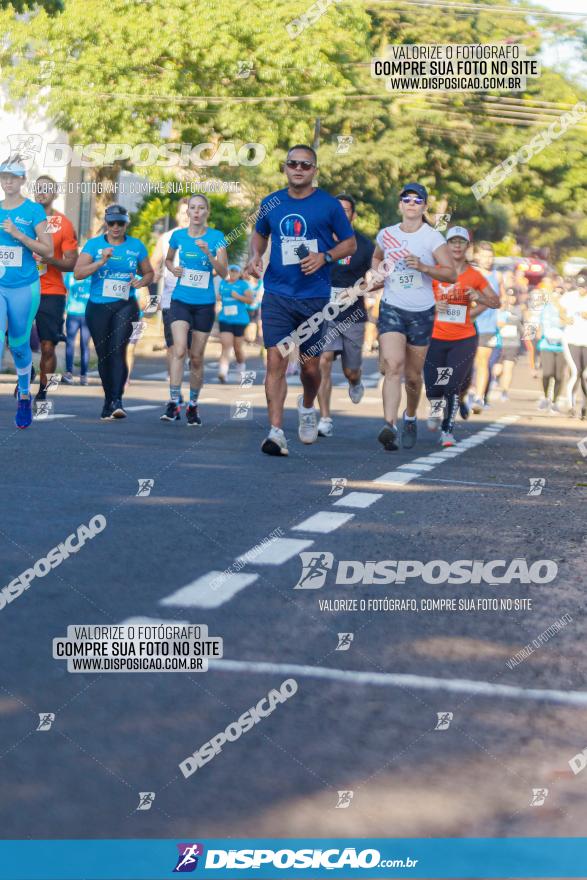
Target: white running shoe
pixel 325 428
pixel 275 443
pixel 308 423
pixel 356 392
pixel 447 440
pixel 544 404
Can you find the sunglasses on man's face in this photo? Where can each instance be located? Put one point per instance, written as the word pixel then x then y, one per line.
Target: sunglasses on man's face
pixel 303 164
pixel 412 200
pixel 116 223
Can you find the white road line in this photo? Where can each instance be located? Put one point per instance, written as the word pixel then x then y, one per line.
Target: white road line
pixel 395 478
pixel 142 406
pixel 471 483
pixel 276 552
pixel 210 590
pixel 54 416
pixel 413 466
pixel 414 682
pixel 358 499
pixel 324 521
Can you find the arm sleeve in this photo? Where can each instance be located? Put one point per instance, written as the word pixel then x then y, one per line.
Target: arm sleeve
pixel 379 240
pixel 173 243
pixel 143 252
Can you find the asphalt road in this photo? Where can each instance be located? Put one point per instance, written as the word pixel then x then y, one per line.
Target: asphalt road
pixel 356 723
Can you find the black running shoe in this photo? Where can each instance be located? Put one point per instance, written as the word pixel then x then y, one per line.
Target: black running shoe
pixel 388 437
pixel 106 412
pixel 171 413
pixel 118 411
pixel 464 410
pixel 41 394
pixel 409 433
pixel 192 415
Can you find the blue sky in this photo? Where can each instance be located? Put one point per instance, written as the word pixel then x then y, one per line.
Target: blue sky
pixel 565 55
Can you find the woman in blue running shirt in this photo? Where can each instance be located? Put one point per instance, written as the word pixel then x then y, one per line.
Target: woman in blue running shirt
pixel 201 251
pixel 22 234
pixel 235 298
pixel 113 261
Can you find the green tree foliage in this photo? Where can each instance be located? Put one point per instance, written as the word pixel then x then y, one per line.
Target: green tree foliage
pixel 210 72
pixel 158 209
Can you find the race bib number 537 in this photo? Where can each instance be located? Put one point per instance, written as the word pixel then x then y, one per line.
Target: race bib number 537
pixel 407 280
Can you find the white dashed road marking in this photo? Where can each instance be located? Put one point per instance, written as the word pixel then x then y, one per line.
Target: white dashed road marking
pixel 210 590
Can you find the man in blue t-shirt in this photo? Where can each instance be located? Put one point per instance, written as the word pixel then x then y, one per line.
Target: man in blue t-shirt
pixel 309 232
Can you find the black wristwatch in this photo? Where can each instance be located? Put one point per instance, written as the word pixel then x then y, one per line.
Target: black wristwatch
pixel 328 258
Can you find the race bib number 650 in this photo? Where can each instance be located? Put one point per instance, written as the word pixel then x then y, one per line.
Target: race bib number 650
pixel 11 256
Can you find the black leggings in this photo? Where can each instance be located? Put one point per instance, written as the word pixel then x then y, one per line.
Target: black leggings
pixel 457 355
pixel 553 367
pixel 579 355
pixel 111 327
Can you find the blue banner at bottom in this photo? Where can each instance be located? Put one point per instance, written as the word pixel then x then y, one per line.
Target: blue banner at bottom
pixel 226 858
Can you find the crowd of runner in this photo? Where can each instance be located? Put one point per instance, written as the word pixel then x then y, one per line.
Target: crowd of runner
pixel 441 316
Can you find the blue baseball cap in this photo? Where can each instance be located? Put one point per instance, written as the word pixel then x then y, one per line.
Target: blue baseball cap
pixel 116 212
pixel 416 188
pixel 15 168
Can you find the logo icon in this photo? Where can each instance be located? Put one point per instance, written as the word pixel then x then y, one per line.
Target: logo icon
pixel 338 485
pixel 437 408
pixel 188 857
pixel 539 795
pixel 444 374
pixel 138 328
pixel 146 799
pixel 247 378
pixel 43 409
pixel 25 146
pixel 537 484
pixel 314 569
pixel 53 381
pixel 244 69
pixel 344 641
pixel 145 487
pixel 46 719
pixel 441 222
pixel 293 226
pixel 151 307
pixel 53 223
pixel 241 409
pixel 344 145
pixel 344 799
pixel 444 719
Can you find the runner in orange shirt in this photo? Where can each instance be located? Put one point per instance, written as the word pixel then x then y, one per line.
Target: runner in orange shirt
pixel 53 293
pixel 454 338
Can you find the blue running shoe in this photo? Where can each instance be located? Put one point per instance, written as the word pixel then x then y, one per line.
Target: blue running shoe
pixel 24 412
